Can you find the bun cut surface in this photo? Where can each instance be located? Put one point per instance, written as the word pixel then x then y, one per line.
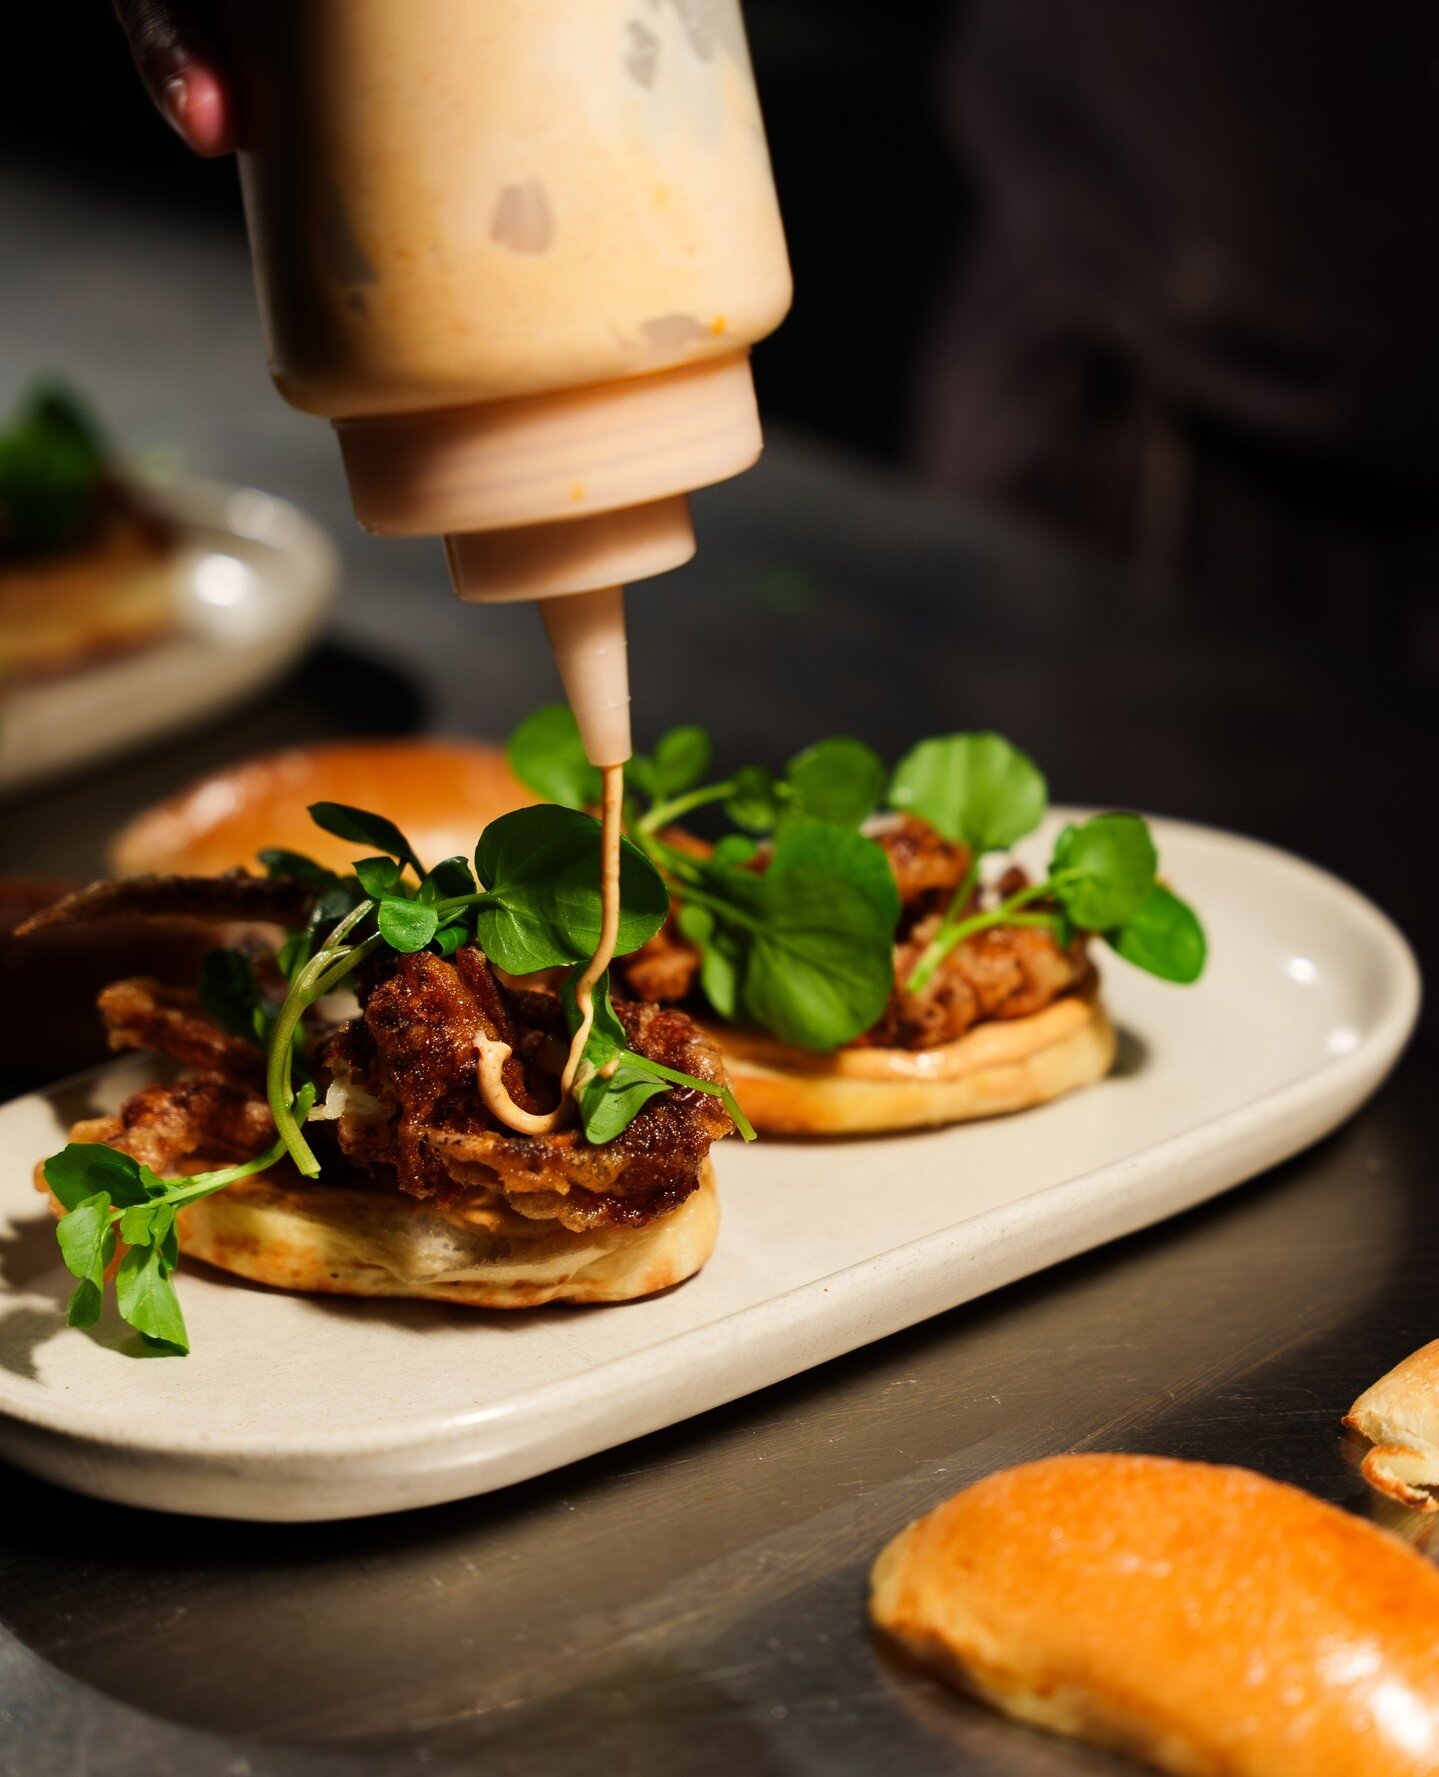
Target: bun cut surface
pixel 1204 1620
pixel 1400 1415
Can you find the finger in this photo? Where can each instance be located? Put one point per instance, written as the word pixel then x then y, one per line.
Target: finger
pixel 181 71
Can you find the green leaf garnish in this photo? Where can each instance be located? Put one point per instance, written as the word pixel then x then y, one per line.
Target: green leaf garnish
pixel 547 756
pixel 1102 871
pixel 294 864
pixel 975 788
pixel 81 1169
pixel 406 926
pixel 609 1101
pixel 1164 937
pixel 131 1201
pixel 365 828
pixel 231 995
pixel 679 762
pixel 87 1245
pixel 541 909
pixel 51 460
pixel 146 1299
pixel 836 780
pixel 378 877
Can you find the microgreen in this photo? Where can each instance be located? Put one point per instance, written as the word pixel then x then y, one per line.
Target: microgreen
pixel 975 788
pixel 365 828
pixel 1101 880
pixel 1164 936
pixel 615 1083
pixel 106 1194
pixel 51 457
pixel 231 995
pixel 546 753
pixel 802 947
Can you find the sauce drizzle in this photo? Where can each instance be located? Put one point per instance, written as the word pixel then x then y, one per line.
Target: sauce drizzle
pixel 492 1054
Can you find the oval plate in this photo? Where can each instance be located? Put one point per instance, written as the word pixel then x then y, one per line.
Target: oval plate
pixel 254 581
pixel 306 1408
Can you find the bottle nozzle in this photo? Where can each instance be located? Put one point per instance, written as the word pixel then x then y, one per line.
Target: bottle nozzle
pixel 587 633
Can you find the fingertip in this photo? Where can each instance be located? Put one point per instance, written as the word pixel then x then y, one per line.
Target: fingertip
pixel 198 108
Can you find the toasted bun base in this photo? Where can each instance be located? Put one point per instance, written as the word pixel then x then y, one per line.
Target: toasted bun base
pixel 1003 1066
pixel 440 792
pixel 329 1240
pixel 1205 1620
pixel 70 610
pixel 1400 1415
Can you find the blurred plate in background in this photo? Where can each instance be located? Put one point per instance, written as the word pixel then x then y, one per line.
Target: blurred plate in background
pixel 253 584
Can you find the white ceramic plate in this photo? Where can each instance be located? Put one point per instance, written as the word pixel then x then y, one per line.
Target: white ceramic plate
pixel 253 584
pixel 305 1408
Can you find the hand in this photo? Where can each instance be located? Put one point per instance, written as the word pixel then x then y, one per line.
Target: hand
pixel 182 70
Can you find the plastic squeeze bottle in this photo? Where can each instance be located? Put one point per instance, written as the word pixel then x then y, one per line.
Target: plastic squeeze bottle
pixel 517 252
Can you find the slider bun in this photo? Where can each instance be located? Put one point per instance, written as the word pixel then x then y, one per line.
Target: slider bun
pixel 1004 1065
pixel 1204 1620
pixel 338 1240
pixel 1400 1416
pixel 105 596
pixel 441 793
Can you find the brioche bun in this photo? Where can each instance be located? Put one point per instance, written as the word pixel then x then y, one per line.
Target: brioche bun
pixel 343 1240
pixel 1005 1065
pixel 442 793
pixel 1204 1620
pixel 110 594
pixel 1400 1417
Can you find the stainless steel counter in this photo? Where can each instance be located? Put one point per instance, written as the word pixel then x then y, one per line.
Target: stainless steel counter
pixel 694 1602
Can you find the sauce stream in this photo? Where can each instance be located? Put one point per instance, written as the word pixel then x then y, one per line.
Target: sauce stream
pixel 493 1054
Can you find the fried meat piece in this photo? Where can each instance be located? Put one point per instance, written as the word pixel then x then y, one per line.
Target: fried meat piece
pixel 406 1074
pixel 1006 972
pixel 927 867
pixel 236 895
pixel 664 968
pixel 141 1014
pixel 193 1125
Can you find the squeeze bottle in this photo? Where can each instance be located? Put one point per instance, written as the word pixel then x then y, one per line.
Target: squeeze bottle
pixel 517 252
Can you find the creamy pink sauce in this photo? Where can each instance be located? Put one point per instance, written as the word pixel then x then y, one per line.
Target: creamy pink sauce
pixel 493 1054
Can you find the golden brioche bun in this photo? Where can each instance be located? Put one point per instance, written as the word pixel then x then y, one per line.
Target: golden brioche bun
pixel 107 596
pixel 1202 1619
pixel 339 1240
pixel 1400 1416
pixel 442 793
pixel 1006 1065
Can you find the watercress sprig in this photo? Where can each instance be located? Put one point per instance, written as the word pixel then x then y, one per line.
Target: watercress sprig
pixel 802 948
pixel 614 1082
pixel 108 1197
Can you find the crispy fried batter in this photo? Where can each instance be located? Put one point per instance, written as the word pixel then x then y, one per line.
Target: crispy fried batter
pixel 208 1122
pixel 927 867
pixel 236 895
pixel 412 1057
pixel 141 1014
pixel 1007 972
pixel 665 967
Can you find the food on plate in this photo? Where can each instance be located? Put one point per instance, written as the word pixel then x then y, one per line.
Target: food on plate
pixel 87 563
pixel 461 1136
pixel 865 953
pixel 1201 1619
pixel 1400 1417
pixel 444 792
pixel 56 978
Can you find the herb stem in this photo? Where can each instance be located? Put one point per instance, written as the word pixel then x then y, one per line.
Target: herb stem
pixel 664 812
pixel 953 932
